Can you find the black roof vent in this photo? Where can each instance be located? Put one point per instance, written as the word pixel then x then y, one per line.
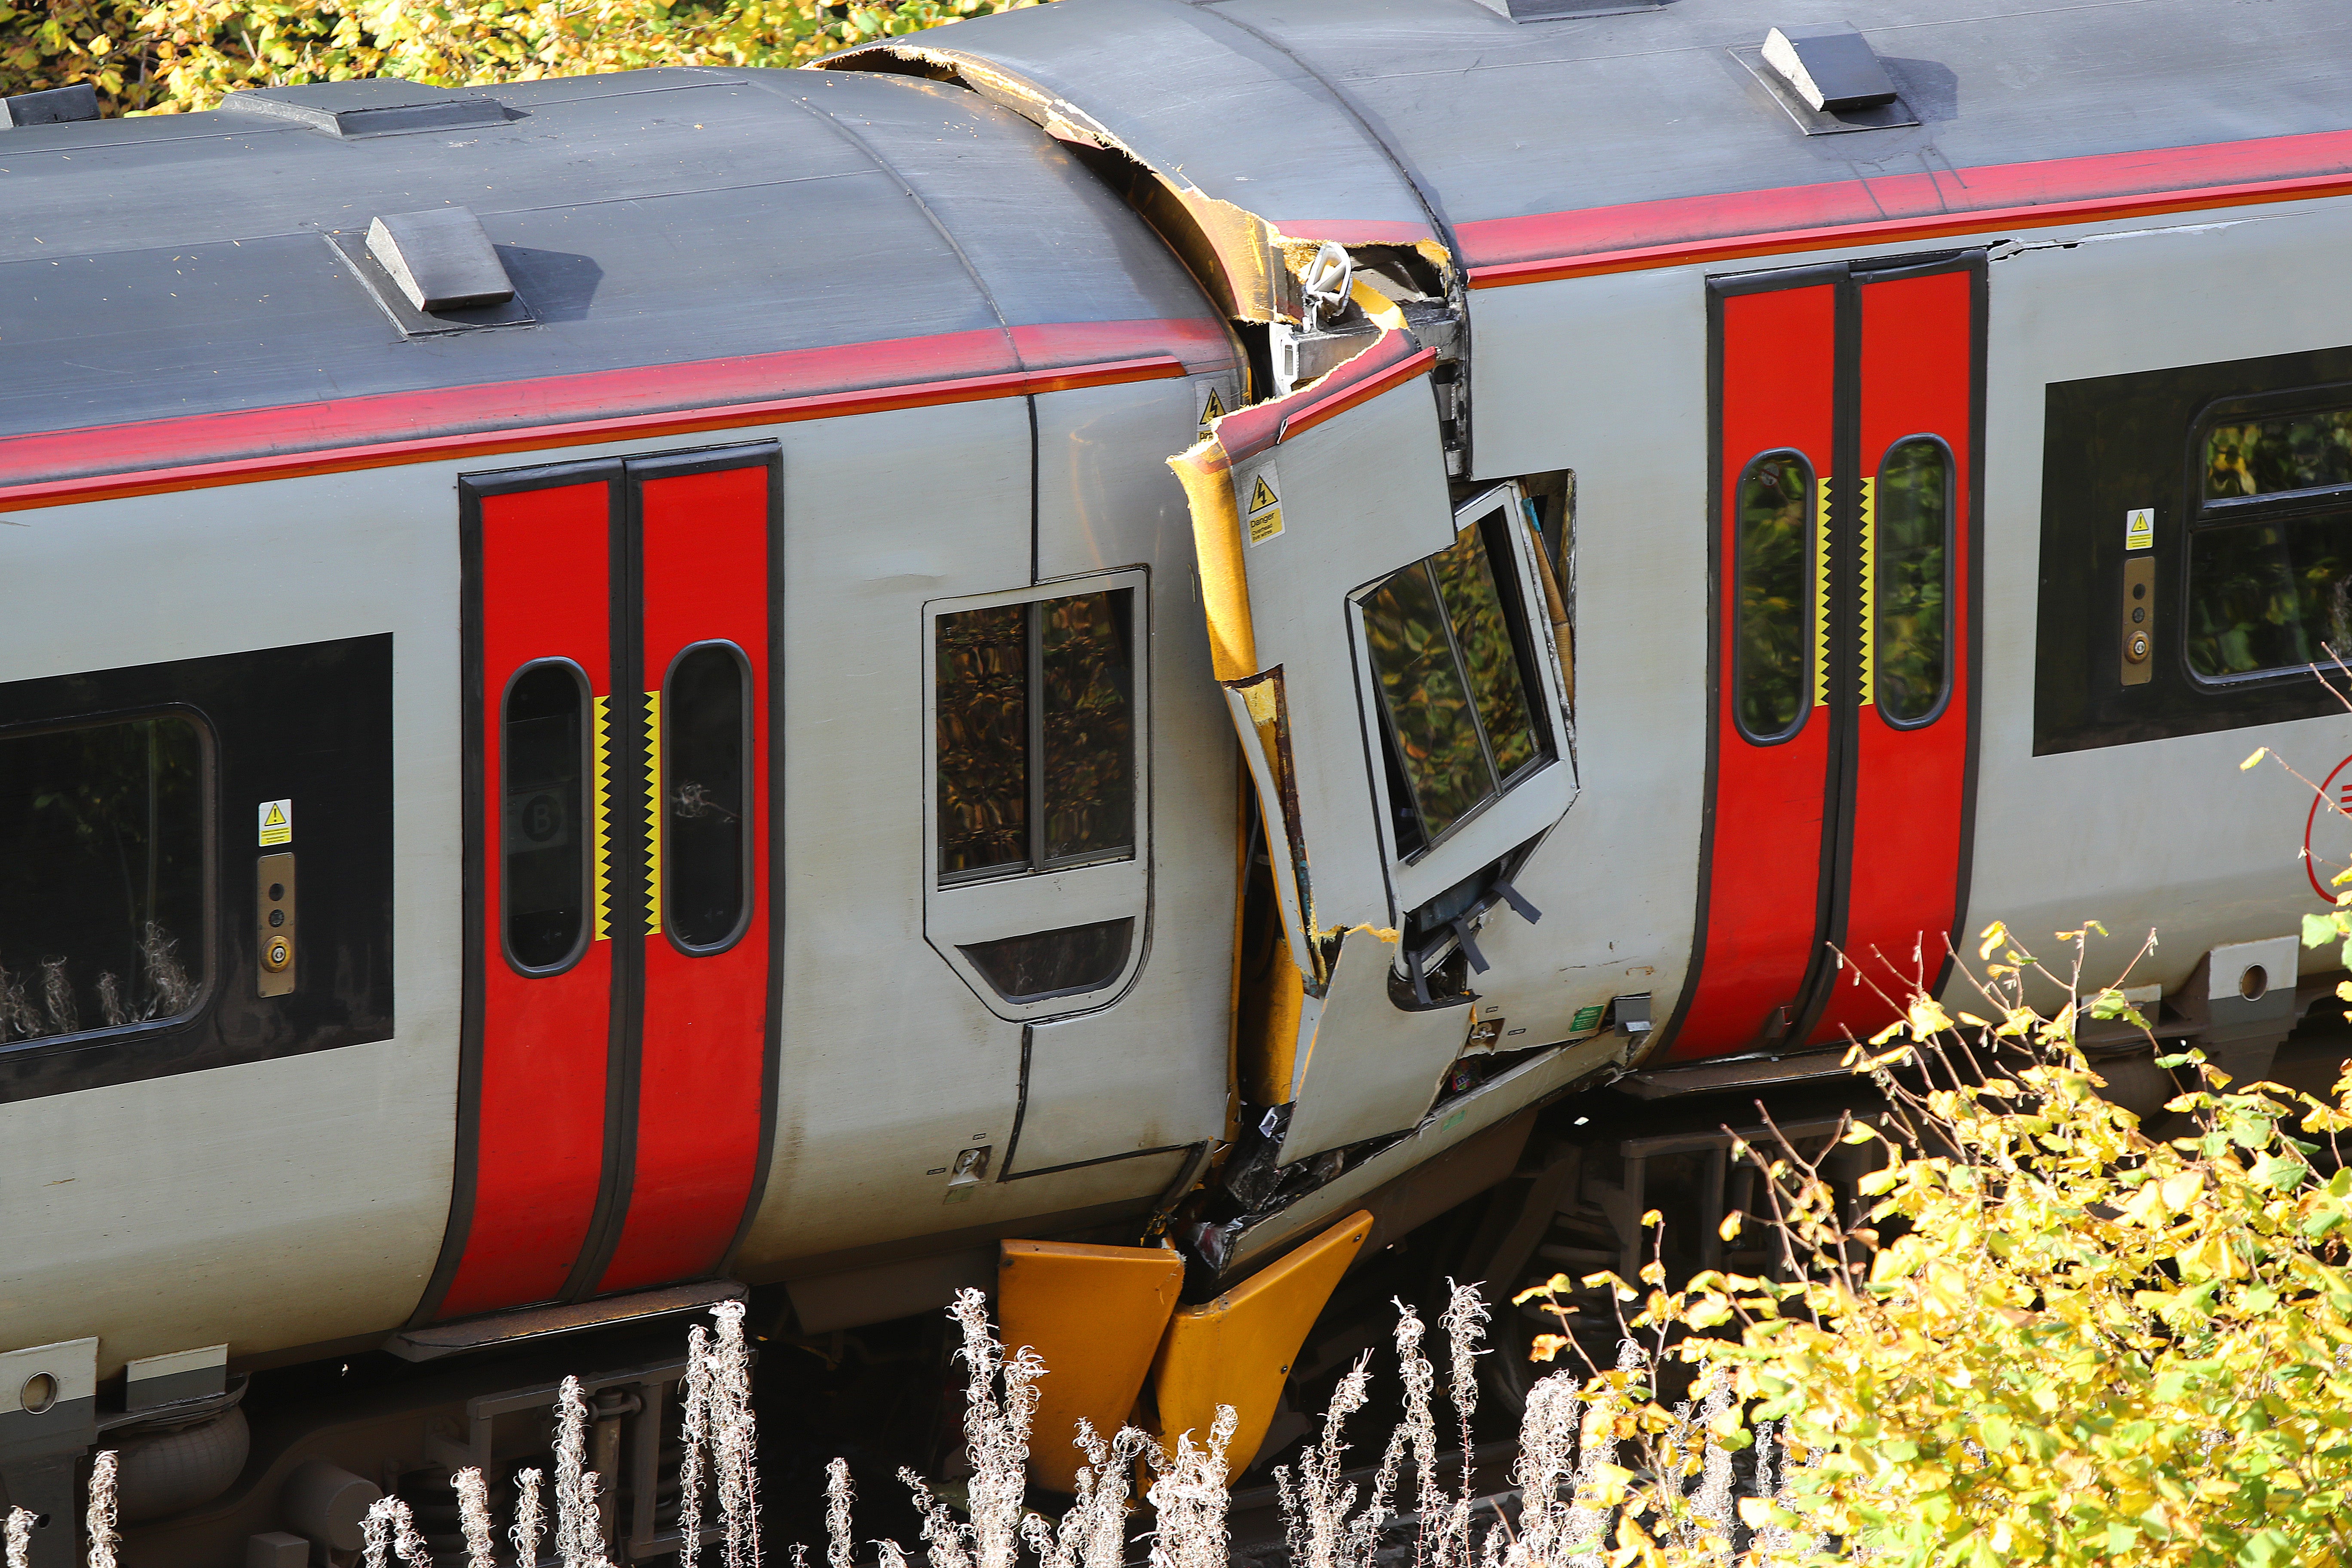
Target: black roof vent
pixel 1828 78
pixel 374 106
pixel 55 107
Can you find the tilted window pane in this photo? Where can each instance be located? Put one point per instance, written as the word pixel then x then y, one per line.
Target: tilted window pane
pixel 706 725
pixel 1428 701
pixel 1088 670
pixel 2268 595
pixel 545 871
pixel 983 739
pixel 1465 576
pixel 2289 452
pixel 101 876
pixel 1775 614
pixel 1909 602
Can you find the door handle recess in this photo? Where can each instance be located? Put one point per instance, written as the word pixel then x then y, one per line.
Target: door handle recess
pixel 274 933
pixel 2139 620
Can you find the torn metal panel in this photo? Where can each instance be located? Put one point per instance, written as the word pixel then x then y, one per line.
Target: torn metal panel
pixel 1370 1068
pixel 1259 153
pixel 1296 502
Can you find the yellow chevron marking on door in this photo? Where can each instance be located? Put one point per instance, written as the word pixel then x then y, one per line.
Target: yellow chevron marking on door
pixel 600 845
pixel 1821 593
pixel 1869 583
pixel 653 812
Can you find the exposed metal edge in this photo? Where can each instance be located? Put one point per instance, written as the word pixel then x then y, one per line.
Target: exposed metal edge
pixel 500 1330
pixel 1734 1072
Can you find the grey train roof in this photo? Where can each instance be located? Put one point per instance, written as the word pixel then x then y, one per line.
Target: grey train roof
pixel 171 266
pixel 1255 102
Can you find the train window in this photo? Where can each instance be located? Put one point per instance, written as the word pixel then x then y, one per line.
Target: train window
pixel 707 784
pixel 1035 734
pixel 542 751
pixel 1911 557
pixel 1774 625
pixel 1449 650
pixel 2310 451
pixel 2270 597
pixel 2270 559
pixel 103 875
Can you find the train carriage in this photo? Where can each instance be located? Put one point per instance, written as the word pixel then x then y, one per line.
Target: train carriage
pixel 1104 646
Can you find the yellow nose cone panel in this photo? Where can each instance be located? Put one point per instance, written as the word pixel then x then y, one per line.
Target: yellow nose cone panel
pixel 1238 1349
pixel 1096 1314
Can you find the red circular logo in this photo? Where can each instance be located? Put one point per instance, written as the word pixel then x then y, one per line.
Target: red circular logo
pixel 2329 828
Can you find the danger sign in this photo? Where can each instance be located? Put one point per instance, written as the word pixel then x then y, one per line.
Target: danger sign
pixel 1262 515
pixel 277 822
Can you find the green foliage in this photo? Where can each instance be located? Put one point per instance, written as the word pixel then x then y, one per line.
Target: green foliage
pixel 180 54
pixel 2051 1339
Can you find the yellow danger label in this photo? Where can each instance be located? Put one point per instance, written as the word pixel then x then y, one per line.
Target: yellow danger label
pixel 2139 528
pixel 1213 408
pixel 277 822
pixel 1265 510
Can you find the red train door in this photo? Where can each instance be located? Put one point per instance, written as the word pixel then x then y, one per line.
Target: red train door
pixel 1847 411
pixel 620 1021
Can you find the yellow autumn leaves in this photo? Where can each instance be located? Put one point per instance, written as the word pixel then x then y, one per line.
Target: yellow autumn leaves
pixel 2045 1336
pixel 177 55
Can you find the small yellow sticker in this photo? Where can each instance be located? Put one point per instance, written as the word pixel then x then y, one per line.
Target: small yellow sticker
pixel 2139 528
pixel 1264 509
pixel 1213 408
pixel 277 822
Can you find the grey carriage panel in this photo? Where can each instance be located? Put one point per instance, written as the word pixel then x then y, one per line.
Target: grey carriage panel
pixel 186 274
pixel 1203 100
pixel 1051 243
pixel 1504 120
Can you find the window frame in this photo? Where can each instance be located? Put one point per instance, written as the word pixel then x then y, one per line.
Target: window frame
pixel 209 893
pixel 587 936
pixel 1030 898
pixel 1037 862
pixel 746 868
pixel 1535 796
pixel 2208 515
pixel 1813 631
pixel 1951 539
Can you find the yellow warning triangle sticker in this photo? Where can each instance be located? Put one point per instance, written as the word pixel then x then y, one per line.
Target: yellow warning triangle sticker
pixel 276 819
pixel 1262 496
pixel 1215 408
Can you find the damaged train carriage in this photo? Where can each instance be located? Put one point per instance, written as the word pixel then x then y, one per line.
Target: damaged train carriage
pixel 1087 654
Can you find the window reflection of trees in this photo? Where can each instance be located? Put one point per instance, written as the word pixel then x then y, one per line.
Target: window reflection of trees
pixel 984 738
pixel 2290 452
pixel 1774 524
pixel 1909 601
pixel 2269 596
pixel 2273 593
pixel 1048 686
pixel 1450 680
pixel 1090 726
pixel 101 876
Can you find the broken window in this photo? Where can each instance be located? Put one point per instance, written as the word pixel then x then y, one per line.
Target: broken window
pixel 1454 658
pixel 103 875
pixel 707 778
pixel 1035 732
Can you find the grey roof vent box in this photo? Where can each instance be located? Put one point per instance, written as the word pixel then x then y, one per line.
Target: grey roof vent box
pixel 372 106
pixel 1828 78
pixel 434 272
pixel 441 259
pixel 54 106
